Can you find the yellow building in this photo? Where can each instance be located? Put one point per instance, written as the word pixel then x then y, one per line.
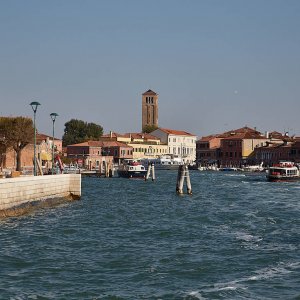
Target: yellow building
pixel 144 145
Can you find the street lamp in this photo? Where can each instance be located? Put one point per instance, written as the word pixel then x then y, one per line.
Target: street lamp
pixel 34 106
pixel 53 117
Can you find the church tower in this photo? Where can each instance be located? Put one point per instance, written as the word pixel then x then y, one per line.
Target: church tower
pixel 149 109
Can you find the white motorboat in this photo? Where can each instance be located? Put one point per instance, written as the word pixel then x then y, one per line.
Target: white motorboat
pixel 164 162
pixel 131 168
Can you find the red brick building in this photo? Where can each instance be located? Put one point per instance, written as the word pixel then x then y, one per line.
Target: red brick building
pixel 231 148
pixel 118 150
pixel 208 149
pixel 286 150
pixel 247 146
pixel 92 154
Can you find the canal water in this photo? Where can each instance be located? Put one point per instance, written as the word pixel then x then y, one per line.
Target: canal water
pixel 236 237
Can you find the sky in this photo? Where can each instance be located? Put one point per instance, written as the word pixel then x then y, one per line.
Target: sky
pixel 217 65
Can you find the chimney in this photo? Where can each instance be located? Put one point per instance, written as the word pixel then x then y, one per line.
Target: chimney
pixel 111 134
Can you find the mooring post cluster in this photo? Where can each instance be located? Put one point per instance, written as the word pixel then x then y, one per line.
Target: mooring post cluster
pixel 150 172
pixel 183 173
pixel 108 169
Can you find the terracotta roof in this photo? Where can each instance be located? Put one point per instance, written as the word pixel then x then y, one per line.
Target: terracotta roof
pixel 244 129
pixel 88 144
pixel 208 138
pixel 176 132
pixel 245 135
pixel 145 136
pixel 101 144
pixel 41 137
pixel 150 92
pixel 113 144
pixel 277 145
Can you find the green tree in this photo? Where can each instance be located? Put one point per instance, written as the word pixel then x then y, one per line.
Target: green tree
pixel 78 131
pixel 16 132
pixel 149 128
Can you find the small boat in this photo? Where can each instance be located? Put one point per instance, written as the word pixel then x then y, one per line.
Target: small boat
pixel 132 169
pixel 284 171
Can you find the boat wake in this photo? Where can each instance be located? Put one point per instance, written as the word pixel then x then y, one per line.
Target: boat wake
pixel 242 285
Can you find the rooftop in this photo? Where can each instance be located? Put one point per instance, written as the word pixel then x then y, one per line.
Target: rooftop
pixel 144 136
pixel 176 132
pixel 150 92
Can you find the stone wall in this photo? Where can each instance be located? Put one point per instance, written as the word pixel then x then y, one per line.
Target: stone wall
pixel 21 191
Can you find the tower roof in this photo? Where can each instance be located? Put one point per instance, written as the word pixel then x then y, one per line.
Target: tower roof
pixel 150 92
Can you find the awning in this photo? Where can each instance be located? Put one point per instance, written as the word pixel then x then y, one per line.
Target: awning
pixel 46 156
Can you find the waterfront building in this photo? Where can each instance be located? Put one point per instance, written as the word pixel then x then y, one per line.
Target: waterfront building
pixel 247 146
pixel 287 149
pixel 179 143
pixel 237 148
pixel 149 109
pixel 119 151
pixel 144 145
pixel 208 149
pixel 88 154
pixel 232 148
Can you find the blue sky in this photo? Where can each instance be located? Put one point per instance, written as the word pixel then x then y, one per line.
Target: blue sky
pixel 216 65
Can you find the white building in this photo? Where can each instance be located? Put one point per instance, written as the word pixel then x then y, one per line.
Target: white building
pixel 179 143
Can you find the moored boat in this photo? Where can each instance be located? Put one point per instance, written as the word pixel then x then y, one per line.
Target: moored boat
pixel 284 171
pixel 132 169
pixel 253 168
pixel 228 169
pixel 164 162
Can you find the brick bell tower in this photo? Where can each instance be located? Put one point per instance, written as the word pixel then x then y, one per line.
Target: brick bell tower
pixel 149 109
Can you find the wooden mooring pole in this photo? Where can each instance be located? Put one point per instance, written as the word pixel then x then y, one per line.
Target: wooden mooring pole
pixel 106 169
pixel 150 172
pixel 183 172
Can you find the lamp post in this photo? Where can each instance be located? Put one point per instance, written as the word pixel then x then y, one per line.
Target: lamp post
pixel 53 117
pixel 34 106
